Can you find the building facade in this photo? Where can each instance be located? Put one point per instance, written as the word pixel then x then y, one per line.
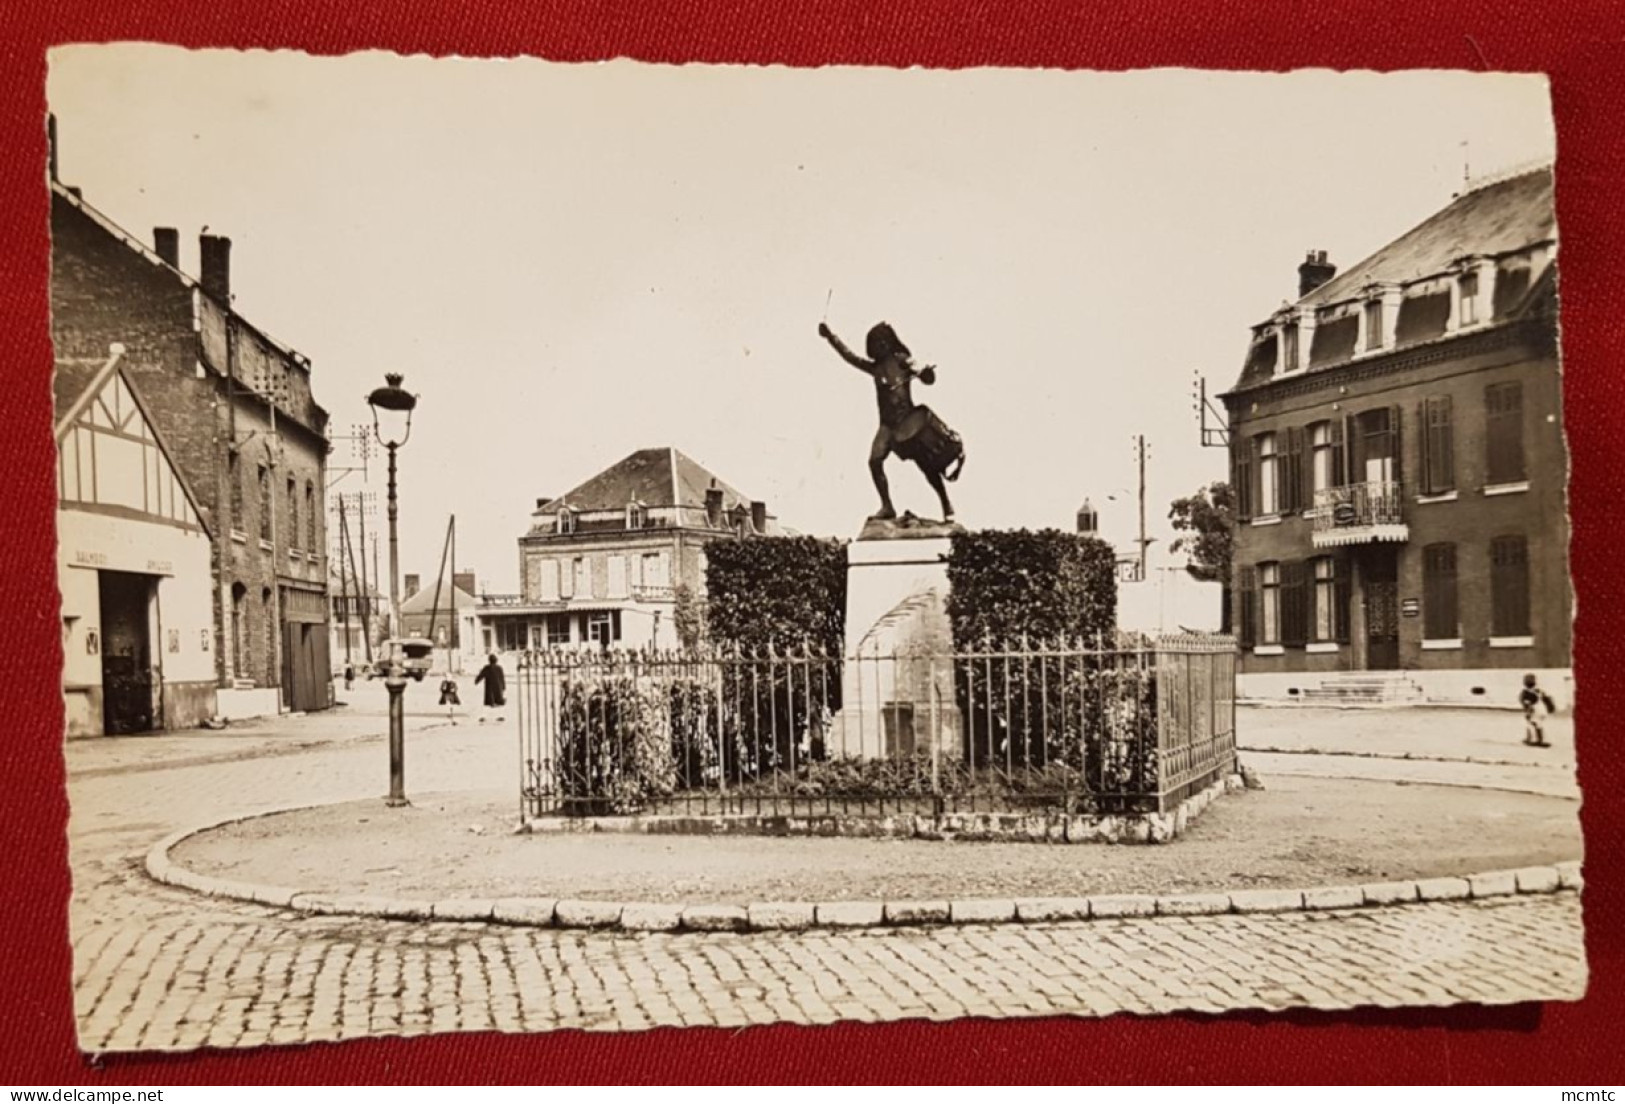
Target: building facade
pixel 133 563
pixel 1398 458
pixel 242 427
pixel 602 565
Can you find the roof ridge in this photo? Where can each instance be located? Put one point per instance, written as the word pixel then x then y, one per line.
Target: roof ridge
pixel 1527 167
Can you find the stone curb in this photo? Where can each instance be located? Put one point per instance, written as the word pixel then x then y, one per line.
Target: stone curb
pixel 637 917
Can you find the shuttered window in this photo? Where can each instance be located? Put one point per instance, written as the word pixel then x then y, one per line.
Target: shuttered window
pixel 1503 414
pixel 1441 615
pixel 1247 599
pixel 1438 446
pixel 1509 586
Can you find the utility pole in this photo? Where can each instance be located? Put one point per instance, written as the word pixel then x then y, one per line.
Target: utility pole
pixel 452 663
pixel 344 589
pixel 1139 448
pixel 366 589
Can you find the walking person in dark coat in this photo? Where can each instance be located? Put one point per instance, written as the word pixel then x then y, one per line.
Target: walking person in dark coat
pixel 496 685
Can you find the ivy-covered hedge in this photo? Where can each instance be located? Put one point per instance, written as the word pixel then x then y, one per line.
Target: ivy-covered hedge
pixel 627 740
pixel 780 592
pixel 1012 591
pixel 1007 586
pixel 779 596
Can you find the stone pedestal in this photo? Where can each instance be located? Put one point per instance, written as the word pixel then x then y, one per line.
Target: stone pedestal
pixel 897 689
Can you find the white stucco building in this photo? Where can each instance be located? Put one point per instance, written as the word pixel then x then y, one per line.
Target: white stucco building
pixel 133 564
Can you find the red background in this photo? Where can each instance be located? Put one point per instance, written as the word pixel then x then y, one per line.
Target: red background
pixel 1580 43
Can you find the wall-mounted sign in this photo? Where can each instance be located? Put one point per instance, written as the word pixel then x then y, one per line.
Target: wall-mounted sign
pixel 91 559
pixel 160 567
pixel 1410 607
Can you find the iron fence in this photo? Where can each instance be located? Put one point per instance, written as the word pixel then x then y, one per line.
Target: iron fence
pixel 1119 727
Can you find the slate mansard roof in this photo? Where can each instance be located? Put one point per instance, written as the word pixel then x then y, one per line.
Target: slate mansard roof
pixel 1502 219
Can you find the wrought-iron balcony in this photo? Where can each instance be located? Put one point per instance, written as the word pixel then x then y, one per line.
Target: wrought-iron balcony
pixel 1359 513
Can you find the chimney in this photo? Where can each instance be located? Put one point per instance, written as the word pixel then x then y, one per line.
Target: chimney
pixel 411 584
pixel 214 267
pixel 758 516
pixel 166 242
pixel 464 581
pixel 713 507
pixel 1314 271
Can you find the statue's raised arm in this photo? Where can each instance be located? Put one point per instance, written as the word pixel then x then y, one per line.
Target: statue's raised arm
pixel 846 354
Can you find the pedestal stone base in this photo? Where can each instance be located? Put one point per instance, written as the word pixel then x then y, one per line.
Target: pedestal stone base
pixel 897 690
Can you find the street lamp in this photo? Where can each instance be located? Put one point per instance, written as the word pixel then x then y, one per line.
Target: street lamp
pixel 392 423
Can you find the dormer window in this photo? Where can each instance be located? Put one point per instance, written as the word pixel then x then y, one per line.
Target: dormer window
pixel 1289 348
pixel 567 520
pixel 637 515
pixel 1469 298
pixel 1374 323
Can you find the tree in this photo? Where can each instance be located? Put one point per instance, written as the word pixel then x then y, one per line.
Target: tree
pixel 1206 521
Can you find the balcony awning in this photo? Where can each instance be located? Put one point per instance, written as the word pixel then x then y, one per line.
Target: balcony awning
pixel 1361 534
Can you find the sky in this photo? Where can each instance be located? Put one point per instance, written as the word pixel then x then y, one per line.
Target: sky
pixel 572 262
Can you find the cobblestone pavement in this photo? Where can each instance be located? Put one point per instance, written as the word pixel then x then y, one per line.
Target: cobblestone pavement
pixel 158 968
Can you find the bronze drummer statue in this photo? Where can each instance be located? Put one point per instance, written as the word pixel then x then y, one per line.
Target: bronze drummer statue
pixel 910 431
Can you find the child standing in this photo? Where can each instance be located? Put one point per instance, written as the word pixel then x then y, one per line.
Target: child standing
pixel 449 698
pixel 1532 698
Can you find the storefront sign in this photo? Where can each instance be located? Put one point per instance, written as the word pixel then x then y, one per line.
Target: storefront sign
pixel 90 559
pixel 160 567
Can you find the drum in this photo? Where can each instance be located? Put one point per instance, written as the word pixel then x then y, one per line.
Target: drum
pixel 926 439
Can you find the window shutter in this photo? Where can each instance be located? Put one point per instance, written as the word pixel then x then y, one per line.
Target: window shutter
pixel 1294 608
pixel 1509 586
pixel 1425 462
pixel 1445 446
pixel 1344 592
pixel 1241 481
pixel 1334 429
pixel 1306 468
pixel 1353 451
pixel 1247 592
pixel 1292 476
pixel 1396 444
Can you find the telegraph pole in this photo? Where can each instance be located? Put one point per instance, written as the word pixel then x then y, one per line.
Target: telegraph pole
pixel 1139 448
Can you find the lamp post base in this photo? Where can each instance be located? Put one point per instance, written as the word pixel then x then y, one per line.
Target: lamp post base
pixel 396 685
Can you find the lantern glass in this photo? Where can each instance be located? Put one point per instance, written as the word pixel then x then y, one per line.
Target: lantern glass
pixel 392 426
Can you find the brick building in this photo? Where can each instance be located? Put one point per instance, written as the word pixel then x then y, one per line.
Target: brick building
pixel 601 565
pixel 1397 452
pixel 436 613
pixel 236 410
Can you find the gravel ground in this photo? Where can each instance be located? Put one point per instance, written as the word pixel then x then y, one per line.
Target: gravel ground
pixel 1299 832
pixel 1485 735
